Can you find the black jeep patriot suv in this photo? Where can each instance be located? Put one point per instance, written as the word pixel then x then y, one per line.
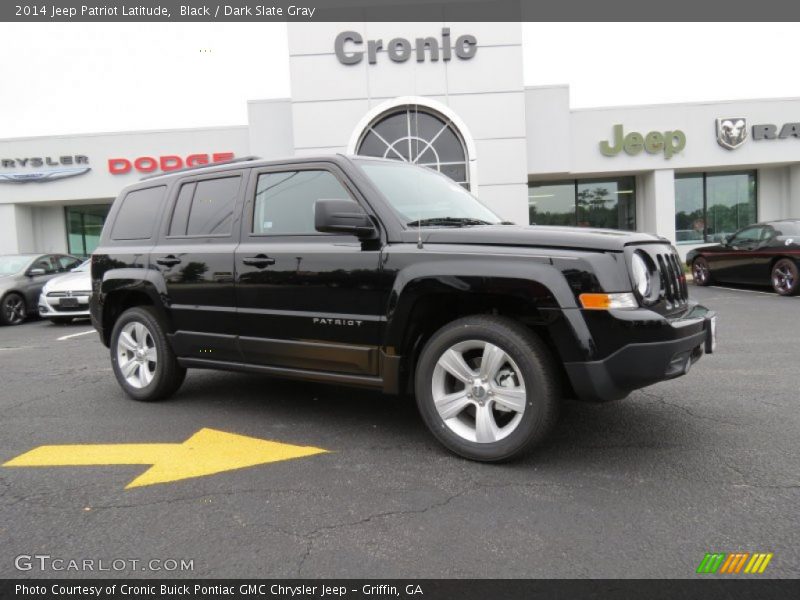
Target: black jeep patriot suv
pixel 389 276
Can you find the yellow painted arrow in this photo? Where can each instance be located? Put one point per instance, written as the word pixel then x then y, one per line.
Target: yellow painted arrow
pixel 205 453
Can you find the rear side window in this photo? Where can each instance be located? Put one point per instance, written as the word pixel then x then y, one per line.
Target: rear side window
pixel 285 201
pixel 205 207
pixel 138 213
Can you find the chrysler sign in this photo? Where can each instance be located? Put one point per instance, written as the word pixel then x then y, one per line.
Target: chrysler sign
pixel 29 169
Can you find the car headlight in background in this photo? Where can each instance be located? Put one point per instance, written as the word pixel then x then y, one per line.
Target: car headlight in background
pixel 643 274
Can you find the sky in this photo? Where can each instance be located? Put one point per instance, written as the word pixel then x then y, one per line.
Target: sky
pixel 64 78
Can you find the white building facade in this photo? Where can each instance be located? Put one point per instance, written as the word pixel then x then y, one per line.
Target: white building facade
pixel 449 96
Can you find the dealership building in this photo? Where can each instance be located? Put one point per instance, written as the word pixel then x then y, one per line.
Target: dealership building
pixel 449 96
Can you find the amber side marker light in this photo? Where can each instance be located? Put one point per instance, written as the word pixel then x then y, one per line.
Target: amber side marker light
pixel 607 301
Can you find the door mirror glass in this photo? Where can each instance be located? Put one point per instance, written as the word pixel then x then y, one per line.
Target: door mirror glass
pixel 36 271
pixel 343 216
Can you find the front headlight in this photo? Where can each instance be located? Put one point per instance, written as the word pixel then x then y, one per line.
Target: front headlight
pixel 643 276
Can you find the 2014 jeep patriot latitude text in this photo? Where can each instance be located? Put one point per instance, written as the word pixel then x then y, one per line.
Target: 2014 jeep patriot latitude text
pixel 389 276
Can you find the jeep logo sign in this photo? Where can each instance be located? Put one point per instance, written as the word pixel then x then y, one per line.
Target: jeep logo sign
pixel 349 48
pixel 655 142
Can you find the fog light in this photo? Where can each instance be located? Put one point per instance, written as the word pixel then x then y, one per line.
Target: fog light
pixel 607 301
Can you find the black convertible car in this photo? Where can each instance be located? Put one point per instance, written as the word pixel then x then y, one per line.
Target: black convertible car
pixel 757 254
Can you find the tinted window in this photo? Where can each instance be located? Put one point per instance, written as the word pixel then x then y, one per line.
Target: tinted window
pixel 285 201
pixel 211 212
pixel 751 234
pixel 180 214
pixel 136 217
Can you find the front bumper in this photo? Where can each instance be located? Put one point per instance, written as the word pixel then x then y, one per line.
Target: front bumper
pixel 51 306
pixel 639 364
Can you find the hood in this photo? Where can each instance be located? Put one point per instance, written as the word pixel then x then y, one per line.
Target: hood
pixel 539 236
pixel 70 282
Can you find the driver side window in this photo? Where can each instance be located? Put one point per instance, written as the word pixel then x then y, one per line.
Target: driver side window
pixel 45 263
pixel 750 235
pixel 284 203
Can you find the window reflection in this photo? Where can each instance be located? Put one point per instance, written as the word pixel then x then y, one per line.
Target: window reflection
pixel 607 203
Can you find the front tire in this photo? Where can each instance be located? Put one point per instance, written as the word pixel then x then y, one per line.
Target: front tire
pixel 701 272
pixel 785 277
pixel 487 388
pixel 141 357
pixel 13 310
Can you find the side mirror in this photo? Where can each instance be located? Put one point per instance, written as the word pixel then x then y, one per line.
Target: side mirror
pixel 35 272
pixel 343 216
pixel 726 241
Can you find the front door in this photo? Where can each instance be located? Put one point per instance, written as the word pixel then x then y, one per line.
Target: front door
pixel 736 262
pixel 306 300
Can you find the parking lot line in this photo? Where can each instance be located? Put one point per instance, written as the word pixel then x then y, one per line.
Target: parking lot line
pixel 773 294
pixel 72 335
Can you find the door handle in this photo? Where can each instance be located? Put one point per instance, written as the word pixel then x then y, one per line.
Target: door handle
pixel 259 261
pixel 168 261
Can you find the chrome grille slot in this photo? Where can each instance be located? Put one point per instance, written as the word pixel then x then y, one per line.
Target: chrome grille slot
pixel 673 282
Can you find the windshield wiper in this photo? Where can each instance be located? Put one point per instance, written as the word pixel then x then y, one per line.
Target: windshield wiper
pixel 450 221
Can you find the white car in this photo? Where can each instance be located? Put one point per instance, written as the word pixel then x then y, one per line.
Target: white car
pixel 66 297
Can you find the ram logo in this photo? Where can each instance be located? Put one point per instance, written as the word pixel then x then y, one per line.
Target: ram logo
pixel 731 133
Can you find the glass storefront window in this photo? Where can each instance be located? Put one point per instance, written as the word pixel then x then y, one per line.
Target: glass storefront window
pixel 84 225
pixel 552 204
pixel 710 206
pixel 607 203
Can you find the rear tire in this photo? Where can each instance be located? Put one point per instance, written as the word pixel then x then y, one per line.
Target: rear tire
pixel 785 277
pixel 701 272
pixel 143 361
pixel 487 388
pixel 13 310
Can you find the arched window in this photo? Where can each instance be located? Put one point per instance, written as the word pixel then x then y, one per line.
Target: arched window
pixel 418 135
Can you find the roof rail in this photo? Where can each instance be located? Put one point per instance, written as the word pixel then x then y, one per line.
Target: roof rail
pixel 203 166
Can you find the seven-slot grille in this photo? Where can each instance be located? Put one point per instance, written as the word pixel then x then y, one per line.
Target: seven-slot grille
pixel 673 281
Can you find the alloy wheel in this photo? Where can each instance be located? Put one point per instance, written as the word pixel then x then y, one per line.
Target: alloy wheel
pixel 479 391
pixel 137 356
pixel 783 278
pixel 14 309
pixel 700 272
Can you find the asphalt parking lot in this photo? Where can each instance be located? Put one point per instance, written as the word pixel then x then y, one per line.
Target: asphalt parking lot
pixel 639 488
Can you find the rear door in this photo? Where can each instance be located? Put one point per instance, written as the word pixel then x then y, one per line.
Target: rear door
pixel 195 257
pixel 306 300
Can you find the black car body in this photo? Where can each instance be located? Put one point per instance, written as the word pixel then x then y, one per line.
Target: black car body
pixel 761 254
pixel 358 294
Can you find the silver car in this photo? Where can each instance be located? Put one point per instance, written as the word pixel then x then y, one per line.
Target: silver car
pixel 66 297
pixel 22 277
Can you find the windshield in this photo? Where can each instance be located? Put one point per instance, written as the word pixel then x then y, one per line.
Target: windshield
pixel 422 196
pixel 12 264
pixel 84 266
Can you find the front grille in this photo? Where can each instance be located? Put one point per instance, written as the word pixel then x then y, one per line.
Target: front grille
pixel 65 294
pixel 68 309
pixel 674 291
